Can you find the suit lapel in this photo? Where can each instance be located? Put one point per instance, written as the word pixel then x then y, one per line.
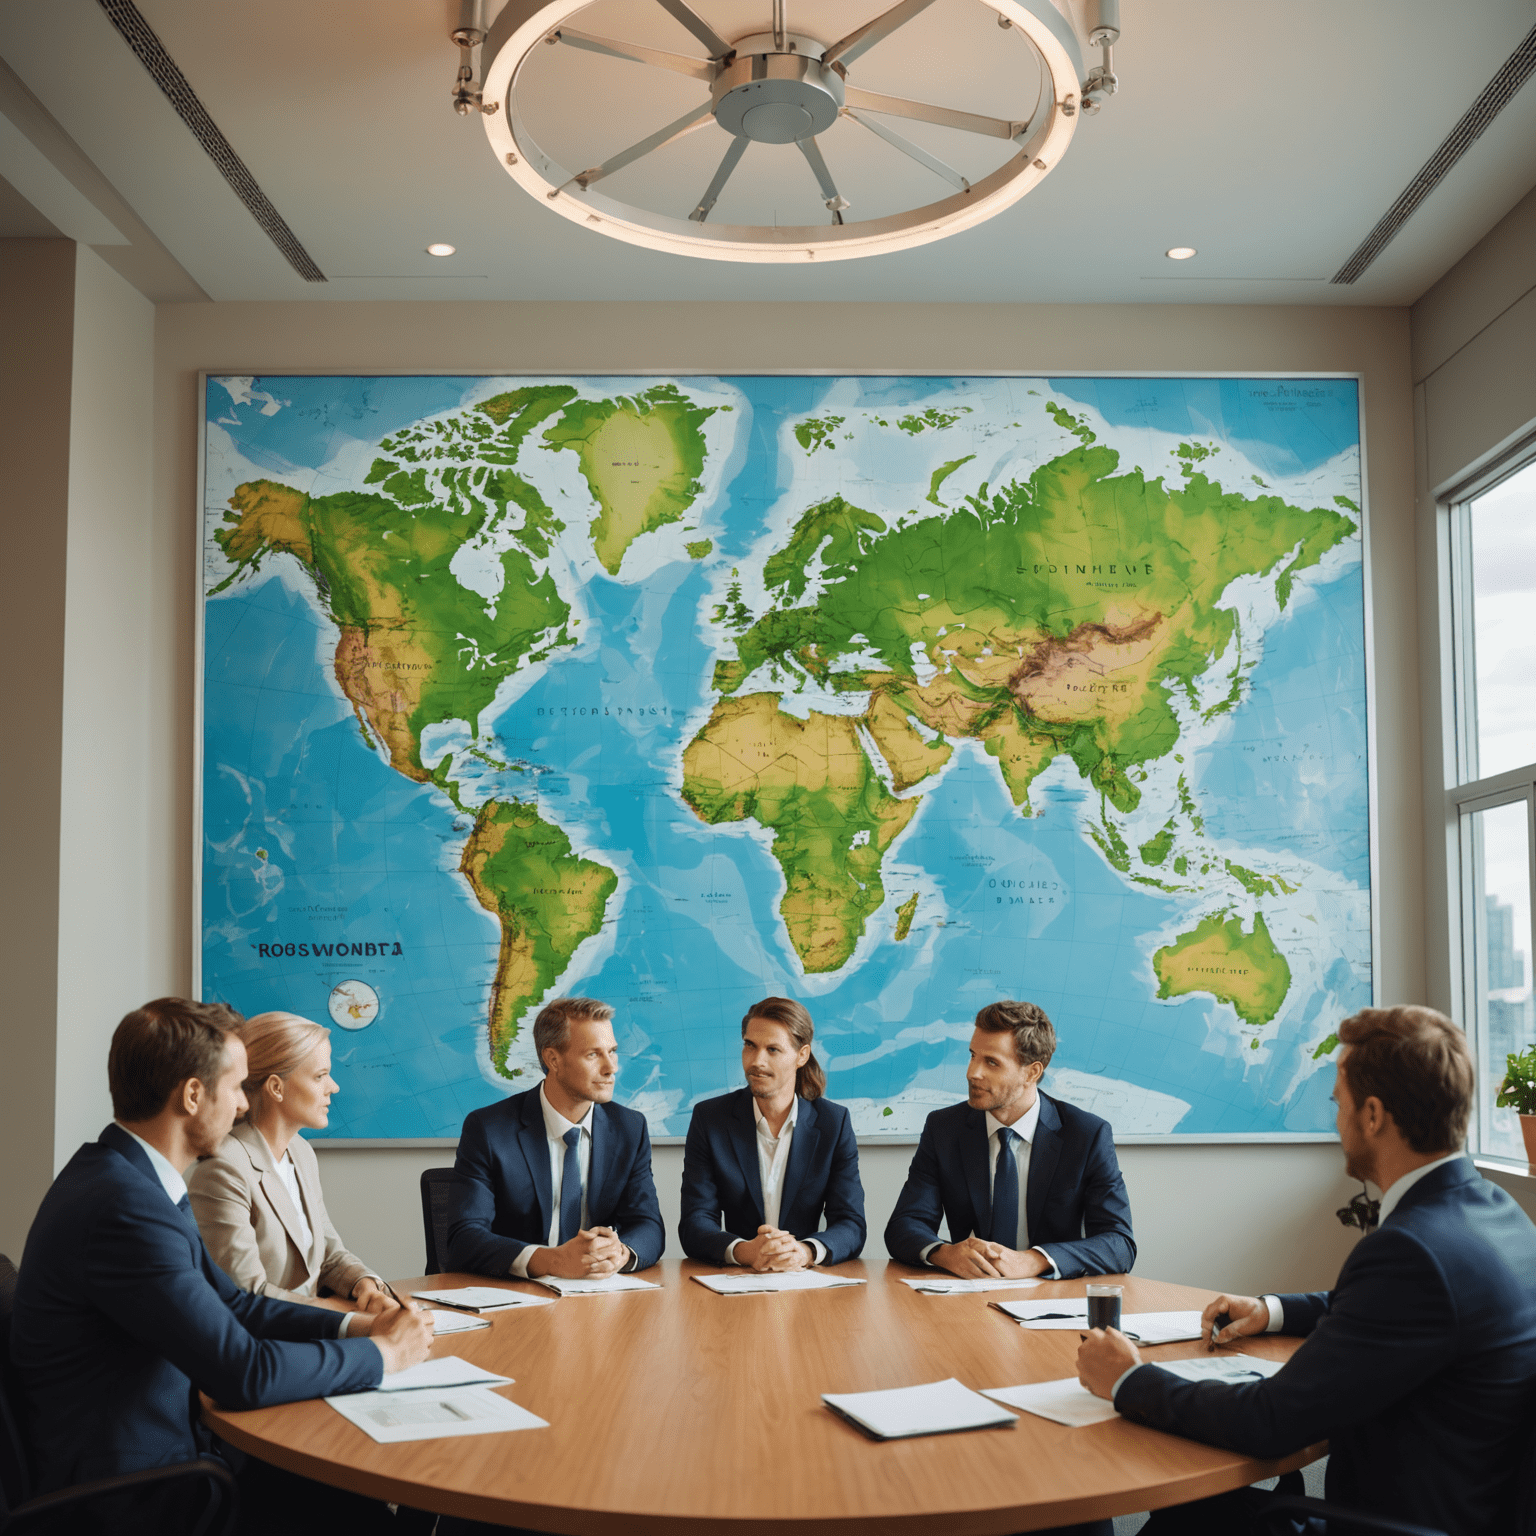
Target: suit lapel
pixel 743 1128
pixel 534 1141
pixel 598 1166
pixel 802 1148
pixel 272 1186
pixel 1044 1153
pixel 973 1160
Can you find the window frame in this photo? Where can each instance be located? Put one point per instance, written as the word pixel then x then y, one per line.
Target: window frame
pixel 1465 794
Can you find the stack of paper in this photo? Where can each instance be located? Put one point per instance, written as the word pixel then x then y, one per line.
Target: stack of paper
pixel 444 1322
pixel 1066 1401
pixel 603 1287
pixel 450 1371
pixel 941 1285
pixel 392 1417
pixel 755 1284
pixel 939 1408
pixel 481 1298
pixel 1143 1327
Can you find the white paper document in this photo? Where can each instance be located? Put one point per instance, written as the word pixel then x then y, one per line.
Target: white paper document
pixel 1143 1327
pixel 939 1408
pixel 603 1287
pixel 390 1418
pixel 482 1298
pixel 1066 1401
pixel 941 1285
pixel 450 1371
pixel 753 1284
pixel 1233 1369
pixel 444 1321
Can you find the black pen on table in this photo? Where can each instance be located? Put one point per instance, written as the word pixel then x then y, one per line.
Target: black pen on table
pixel 1218 1323
pixel 458 1306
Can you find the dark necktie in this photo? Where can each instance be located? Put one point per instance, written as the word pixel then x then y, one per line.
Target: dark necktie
pixel 184 1205
pixel 570 1187
pixel 1005 1192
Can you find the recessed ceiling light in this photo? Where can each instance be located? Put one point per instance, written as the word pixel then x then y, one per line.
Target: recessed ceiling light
pixel 1178 253
pixel 438 248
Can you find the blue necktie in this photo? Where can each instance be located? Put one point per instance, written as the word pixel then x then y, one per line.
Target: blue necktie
pixel 570 1187
pixel 1005 1192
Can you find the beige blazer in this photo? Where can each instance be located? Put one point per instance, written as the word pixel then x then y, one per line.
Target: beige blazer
pixel 251 1228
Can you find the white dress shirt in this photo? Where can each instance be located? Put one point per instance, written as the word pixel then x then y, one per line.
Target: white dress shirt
pixel 176 1188
pixel 1024 1136
pixel 290 1177
pixel 772 1160
pixel 555 1127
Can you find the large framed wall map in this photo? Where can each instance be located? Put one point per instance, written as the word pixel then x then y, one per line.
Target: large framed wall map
pixel 894 695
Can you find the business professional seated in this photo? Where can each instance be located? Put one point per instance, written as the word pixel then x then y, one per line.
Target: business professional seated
pixel 257 1199
pixel 773 1159
pixel 557 1180
pixel 1420 1365
pixel 1027 1184
pixel 122 1317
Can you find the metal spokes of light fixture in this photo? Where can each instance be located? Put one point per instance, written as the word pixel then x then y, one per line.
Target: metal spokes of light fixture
pixel 788 88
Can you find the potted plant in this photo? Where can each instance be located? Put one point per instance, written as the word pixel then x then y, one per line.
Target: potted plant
pixel 1518 1092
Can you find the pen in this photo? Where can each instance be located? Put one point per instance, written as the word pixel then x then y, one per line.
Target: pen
pixel 458 1306
pixel 1220 1321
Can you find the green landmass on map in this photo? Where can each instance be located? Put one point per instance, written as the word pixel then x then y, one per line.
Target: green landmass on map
pixel 547 902
pixel 1243 969
pixel 641 456
pixel 1156 849
pixel 818 432
pixel 904 915
pixel 698 548
pixel 812 785
pixel 1326 1047
pixel 941 474
pixel 1055 616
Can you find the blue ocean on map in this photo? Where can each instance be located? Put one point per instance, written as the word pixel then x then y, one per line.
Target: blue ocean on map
pixel 311 839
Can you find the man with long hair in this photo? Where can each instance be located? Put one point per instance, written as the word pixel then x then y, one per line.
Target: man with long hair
pixel 766 1164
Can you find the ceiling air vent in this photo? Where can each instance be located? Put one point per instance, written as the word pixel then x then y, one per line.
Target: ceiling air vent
pixel 151 52
pixel 1514 72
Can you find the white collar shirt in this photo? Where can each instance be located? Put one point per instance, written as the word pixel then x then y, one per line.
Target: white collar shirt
pixel 1024 1129
pixel 772 1163
pixel 170 1180
pixel 555 1127
pixel 290 1177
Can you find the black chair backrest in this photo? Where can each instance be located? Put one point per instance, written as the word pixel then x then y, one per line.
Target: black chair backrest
pixel 1524 1522
pixel 15 1473
pixel 438 1207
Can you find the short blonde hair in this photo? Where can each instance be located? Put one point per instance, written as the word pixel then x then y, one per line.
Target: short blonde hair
pixel 277 1044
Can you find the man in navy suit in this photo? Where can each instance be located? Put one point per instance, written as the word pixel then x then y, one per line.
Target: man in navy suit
pixel 557 1181
pixel 1029 1185
pixel 121 1315
pixel 1420 1365
pixel 773 1158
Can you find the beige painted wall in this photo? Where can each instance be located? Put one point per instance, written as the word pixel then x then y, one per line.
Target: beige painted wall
pixel 37 304
pixel 1229 1215
pixel 113 881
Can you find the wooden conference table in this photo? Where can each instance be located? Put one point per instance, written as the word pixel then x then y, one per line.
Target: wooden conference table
pixel 683 1411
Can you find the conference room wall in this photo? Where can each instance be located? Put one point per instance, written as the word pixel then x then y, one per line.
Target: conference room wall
pixel 1231 1214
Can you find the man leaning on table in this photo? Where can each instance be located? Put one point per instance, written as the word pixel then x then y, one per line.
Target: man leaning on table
pixel 122 1317
pixel 1420 1365
pixel 557 1180
pixel 1029 1185
pixel 771 1159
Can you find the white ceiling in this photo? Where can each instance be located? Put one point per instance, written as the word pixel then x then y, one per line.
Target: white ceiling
pixel 1271 136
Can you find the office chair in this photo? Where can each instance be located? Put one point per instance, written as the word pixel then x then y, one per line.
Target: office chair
pixel 1280 1518
pixel 21 1511
pixel 437 1208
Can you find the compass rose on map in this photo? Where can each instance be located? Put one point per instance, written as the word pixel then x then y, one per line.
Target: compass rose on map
pixel 354 1004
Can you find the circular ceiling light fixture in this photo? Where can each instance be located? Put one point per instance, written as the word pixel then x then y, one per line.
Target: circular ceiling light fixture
pixel 779 93
pixel 1181 253
pixel 441 248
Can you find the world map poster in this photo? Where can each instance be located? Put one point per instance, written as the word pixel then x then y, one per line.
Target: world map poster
pixel 893 695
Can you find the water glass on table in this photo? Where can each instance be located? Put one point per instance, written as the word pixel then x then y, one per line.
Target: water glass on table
pixel 1104 1305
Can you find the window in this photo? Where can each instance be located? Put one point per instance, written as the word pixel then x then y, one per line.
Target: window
pixel 1492 799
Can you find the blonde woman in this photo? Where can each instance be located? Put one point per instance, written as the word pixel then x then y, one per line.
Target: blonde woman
pixel 257 1199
